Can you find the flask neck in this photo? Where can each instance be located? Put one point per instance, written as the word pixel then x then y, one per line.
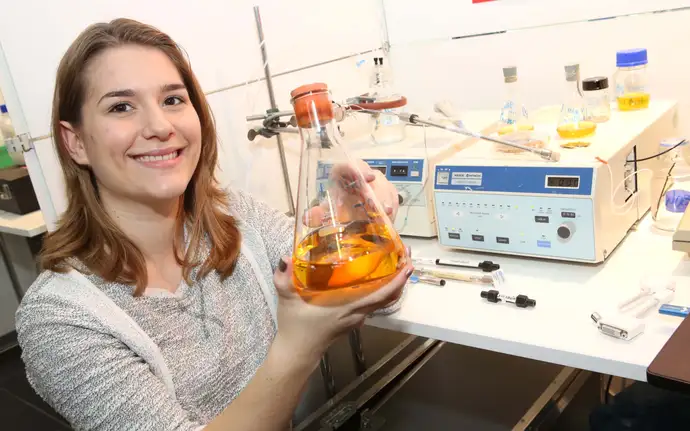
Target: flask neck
pixel 321 135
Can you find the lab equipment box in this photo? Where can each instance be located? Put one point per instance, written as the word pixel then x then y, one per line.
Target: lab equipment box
pixel 409 166
pixel 577 209
pixel 16 191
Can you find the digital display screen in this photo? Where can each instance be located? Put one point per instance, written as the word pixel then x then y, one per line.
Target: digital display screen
pixel 399 171
pixel 383 169
pixel 563 182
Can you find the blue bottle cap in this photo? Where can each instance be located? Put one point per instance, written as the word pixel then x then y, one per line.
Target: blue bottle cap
pixel 631 57
pixel 3 109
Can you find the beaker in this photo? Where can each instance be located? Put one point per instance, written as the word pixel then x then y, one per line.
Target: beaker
pixel 345 246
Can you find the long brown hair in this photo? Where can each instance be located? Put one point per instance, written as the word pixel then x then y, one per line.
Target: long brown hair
pixel 85 231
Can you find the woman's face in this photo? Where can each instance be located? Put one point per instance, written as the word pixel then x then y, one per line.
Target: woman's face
pixel 140 133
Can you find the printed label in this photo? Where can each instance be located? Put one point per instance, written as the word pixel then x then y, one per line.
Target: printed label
pixel 442 178
pixel 466 179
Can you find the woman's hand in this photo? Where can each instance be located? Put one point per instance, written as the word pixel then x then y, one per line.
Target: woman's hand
pixel 347 191
pixel 309 329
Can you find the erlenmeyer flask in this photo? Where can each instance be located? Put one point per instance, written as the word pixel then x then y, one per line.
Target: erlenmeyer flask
pixel 345 245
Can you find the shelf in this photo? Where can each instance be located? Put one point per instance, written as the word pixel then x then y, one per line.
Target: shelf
pixel 27 225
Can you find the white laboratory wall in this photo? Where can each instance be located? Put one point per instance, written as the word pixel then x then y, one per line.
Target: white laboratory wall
pixel 453 18
pixel 221 41
pixel 468 71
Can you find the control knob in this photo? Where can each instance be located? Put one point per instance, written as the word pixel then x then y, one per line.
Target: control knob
pixel 565 231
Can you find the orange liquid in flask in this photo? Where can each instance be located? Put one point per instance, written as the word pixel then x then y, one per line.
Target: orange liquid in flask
pixel 339 264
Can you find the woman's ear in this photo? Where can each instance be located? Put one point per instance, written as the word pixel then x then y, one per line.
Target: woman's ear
pixel 73 143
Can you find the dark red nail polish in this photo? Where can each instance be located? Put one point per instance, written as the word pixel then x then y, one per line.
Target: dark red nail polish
pixel 282 266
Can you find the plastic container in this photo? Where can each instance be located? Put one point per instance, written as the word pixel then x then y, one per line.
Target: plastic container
pixel 7 131
pixel 632 82
pixel 597 99
pixel 670 185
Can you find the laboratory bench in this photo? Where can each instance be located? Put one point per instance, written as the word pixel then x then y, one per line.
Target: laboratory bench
pixel 559 329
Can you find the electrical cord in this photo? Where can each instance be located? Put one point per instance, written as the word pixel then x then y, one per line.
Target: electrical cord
pixel 664 190
pixel 627 206
pixel 659 154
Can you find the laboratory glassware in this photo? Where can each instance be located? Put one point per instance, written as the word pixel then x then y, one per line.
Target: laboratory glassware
pixel 670 189
pixel 386 128
pixel 572 123
pixel 345 246
pixel 514 115
pixel 597 99
pixel 632 86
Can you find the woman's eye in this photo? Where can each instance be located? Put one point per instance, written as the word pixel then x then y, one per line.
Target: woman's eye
pixel 173 100
pixel 121 107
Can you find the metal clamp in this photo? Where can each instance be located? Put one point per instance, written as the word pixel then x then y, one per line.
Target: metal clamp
pixel 19 144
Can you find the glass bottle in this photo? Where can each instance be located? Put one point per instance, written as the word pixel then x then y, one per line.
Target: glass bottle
pixel 631 80
pixel 514 116
pixel 597 100
pixel 572 124
pixel 345 246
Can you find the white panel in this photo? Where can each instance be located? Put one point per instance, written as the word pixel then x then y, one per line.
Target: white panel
pixel 468 71
pixel 454 18
pixel 219 36
pixel 208 34
pixel 9 95
pixel 300 32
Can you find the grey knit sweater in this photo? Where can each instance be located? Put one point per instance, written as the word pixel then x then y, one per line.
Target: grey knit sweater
pixel 106 360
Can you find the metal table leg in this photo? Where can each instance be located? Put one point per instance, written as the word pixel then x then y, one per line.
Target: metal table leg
pixel 10 269
pixel 357 351
pixel 327 375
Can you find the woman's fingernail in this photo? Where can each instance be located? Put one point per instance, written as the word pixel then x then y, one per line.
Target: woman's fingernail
pixel 409 272
pixel 408 250
pixel 282 266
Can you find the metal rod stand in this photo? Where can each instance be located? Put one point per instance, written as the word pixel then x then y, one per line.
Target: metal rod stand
pixel 272 100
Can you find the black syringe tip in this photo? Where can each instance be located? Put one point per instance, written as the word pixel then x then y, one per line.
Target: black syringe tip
pixel 490 295
pixel 489 266
pixel 523 301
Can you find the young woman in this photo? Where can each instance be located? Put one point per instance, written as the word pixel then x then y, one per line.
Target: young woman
pixel 155 307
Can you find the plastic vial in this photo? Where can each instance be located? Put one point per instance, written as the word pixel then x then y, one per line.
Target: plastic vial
pixel 632 92
pixel 597 100
pixel 514 116
pixel 572 123
pixel 345 246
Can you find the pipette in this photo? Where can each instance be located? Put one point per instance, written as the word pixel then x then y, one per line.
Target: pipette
pixel 544 153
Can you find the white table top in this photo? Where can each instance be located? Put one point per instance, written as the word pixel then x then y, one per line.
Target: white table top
pixel 28 225
pixel 559 329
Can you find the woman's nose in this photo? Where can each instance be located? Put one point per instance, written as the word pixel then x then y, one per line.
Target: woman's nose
pixel 157 125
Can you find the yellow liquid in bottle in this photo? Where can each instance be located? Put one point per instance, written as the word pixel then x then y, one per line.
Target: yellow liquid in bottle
pixel 340 264
pixel 574 131
pixel 515 128
pixel 633 101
